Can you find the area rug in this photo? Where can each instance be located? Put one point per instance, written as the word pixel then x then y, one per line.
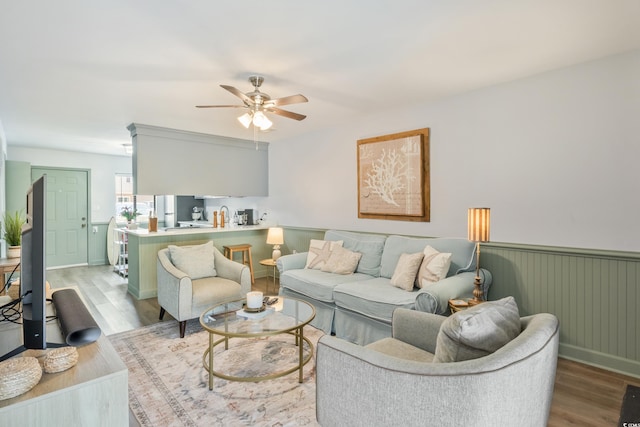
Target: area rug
pixel 630 410
pixel 168 385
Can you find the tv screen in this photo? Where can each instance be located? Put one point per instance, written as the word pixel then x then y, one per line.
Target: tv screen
pixel 33 268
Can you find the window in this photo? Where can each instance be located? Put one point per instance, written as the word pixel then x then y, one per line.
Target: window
pixel 134 202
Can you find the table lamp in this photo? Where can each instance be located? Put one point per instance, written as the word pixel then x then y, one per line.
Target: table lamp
pixel 275 237
pixel 478 231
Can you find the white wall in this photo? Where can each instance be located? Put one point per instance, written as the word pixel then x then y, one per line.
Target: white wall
pixel 103 169
pixel 554 156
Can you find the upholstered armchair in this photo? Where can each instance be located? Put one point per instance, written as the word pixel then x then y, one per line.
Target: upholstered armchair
pixel 482 375
pixel 191 279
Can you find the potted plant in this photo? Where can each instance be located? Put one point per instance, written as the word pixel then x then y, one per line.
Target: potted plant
pixel 129 214
pixel 13 233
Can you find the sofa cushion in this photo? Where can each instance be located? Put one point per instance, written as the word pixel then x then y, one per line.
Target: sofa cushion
pixel 374 298
pixel 196 261
pixel 316 284
pixel 342 261
pixel 462 250
pixel 369 245
pixel 396 348
pixel 477 331
pixel 434 267
pixel 319 253
pixel 406 270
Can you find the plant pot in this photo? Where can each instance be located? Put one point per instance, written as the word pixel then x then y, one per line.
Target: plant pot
pixel 13 251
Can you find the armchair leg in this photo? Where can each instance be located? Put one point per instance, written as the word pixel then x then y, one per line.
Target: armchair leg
pixel 161 313
pixel 183 327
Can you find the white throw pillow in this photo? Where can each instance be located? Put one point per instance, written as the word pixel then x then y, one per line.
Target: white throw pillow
pixel 434 267
pixel 404 276
pixel 196 261
pixel 319 252
pixel 342 261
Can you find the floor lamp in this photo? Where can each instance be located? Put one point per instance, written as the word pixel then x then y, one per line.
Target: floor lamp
pixel 479 220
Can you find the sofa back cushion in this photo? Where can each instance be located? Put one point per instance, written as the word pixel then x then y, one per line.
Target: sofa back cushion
pixel 462 250
pixel 477 331
pixel 369 245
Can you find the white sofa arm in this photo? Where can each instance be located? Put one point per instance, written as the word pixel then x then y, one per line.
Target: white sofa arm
pixel 292 262
pixel 232 270
pixel 173 286
pixel 435 298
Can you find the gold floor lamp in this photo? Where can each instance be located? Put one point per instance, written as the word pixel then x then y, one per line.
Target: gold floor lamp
pixel 479 220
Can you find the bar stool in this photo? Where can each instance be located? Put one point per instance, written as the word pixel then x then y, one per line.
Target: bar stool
pixel 245 248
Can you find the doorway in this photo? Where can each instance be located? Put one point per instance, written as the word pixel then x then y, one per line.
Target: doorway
pixel 67 205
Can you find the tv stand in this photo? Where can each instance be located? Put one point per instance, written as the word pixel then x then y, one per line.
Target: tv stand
pixel 93 392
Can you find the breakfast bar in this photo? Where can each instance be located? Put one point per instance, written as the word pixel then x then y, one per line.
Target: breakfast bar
pixel 143 247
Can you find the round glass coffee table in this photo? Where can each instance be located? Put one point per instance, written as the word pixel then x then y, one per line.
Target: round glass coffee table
pixel 286 316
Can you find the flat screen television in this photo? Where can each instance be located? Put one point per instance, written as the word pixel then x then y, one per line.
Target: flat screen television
pixel 33 271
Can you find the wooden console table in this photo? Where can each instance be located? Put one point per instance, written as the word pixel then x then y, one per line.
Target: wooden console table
pixel 92 393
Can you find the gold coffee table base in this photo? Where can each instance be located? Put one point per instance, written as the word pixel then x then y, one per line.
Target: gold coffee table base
pixel 207 361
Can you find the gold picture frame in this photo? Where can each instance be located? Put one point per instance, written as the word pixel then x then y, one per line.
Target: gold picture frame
pixel 393 176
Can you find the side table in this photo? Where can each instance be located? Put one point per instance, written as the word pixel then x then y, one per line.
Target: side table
pixel 270 263
pixel 456 305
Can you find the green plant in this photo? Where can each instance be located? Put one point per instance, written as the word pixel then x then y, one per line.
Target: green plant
pixel 129 214
pixel 13 228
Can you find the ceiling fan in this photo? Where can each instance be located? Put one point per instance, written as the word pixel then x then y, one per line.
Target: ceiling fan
pixel 258 103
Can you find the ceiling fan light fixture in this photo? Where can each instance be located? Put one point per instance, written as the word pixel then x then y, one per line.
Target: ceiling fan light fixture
pixel 260 120
pixel 245 119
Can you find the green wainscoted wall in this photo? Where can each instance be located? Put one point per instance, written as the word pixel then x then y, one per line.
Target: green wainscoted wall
pixel 595 294
pixel 98 244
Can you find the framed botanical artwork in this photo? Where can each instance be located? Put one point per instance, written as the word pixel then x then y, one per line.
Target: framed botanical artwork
pixel 393 176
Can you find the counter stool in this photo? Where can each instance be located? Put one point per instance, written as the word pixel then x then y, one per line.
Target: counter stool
pixel 245 248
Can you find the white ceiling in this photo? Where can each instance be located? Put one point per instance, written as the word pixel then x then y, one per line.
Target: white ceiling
pixel 74 74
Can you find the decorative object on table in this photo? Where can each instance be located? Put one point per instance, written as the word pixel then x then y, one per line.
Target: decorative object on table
pixel 479 220
pixel 260 103
pixel 18 375
pixel 13 223
pixel 60 359
pixel 129 214
pixel 254 300
pixel 275 237
pixel 153 222
pixel 393 177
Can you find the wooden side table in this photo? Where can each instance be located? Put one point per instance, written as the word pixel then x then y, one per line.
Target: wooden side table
pixel 270 263
pixel 456 305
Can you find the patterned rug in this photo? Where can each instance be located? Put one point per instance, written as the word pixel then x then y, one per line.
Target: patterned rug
pixel 169 387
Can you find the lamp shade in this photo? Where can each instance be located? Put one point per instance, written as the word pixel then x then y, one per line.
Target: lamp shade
pixel 245 119
pixel 275 236
pixel 479 223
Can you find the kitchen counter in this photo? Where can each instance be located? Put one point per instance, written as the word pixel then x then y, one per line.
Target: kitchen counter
pixel 143 247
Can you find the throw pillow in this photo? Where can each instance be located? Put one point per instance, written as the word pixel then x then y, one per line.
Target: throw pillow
pixel 195 261
pixel 477 331
pixel 434 267
pixel 342 261
pixel 319 252
pixel 404 276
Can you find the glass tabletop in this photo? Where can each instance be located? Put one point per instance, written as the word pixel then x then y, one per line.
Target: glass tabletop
pixel 229 319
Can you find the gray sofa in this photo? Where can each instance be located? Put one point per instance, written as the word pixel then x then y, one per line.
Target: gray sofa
pixel 400 381
pixel 358 307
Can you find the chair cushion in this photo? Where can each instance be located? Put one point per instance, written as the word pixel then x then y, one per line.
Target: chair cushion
pixel 213 290
pixel 406 270
pixel 196 261
pixel 342 261
pixel 434 267
pixel 319 253
pixel 477 331
pixel 400 349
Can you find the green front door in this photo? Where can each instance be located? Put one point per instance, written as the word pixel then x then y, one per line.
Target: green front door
pixel 67 215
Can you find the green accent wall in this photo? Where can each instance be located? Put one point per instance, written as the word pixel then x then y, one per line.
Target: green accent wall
pixel 18 181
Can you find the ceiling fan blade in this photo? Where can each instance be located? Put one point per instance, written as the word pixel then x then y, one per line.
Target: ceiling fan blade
pixel 287 100
pixel 221 106
pixel 286 113
pixel 239 94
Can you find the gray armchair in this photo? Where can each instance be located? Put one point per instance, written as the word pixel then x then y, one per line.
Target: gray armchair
pixel 405 381
pixel 213 279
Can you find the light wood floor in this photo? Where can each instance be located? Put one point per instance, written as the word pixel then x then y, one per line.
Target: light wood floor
pixel 584 396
